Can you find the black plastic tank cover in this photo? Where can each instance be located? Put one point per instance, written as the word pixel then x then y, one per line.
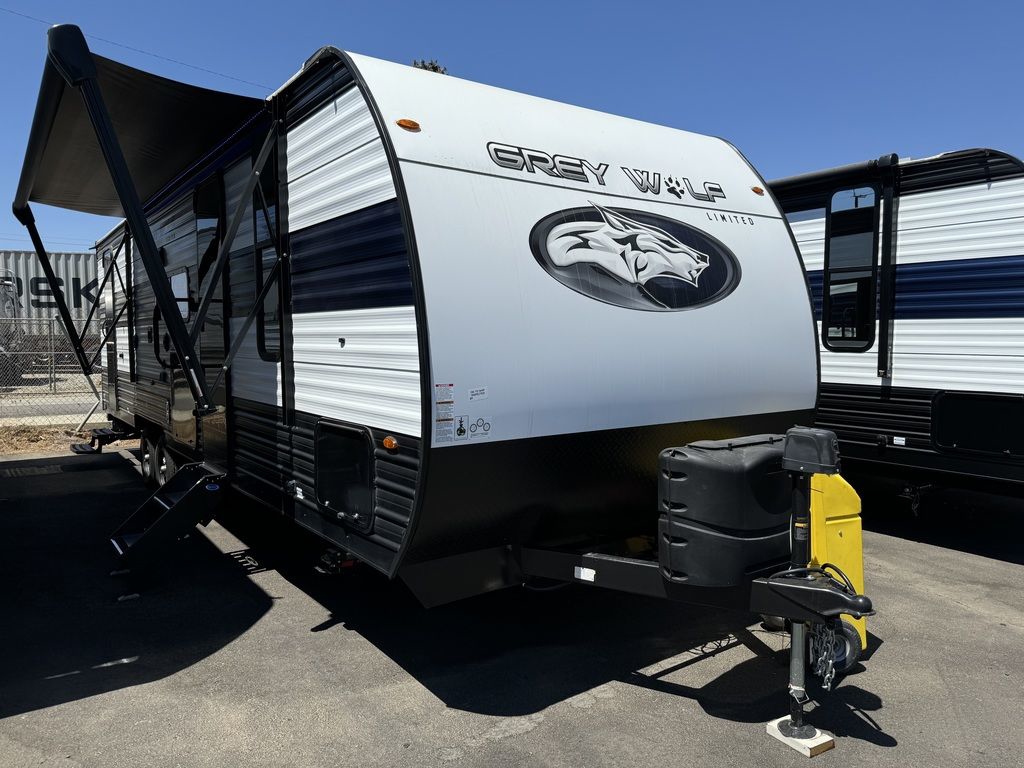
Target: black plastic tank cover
pixel 724 508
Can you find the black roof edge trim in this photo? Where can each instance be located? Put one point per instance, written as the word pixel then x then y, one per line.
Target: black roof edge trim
pixel 831 176
pixel 807 184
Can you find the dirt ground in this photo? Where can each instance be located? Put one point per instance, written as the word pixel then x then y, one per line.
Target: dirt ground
pixel 31 440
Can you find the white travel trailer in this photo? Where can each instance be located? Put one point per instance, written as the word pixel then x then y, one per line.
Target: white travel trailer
pixel 456 332
pixel 916 270
pixel 446 327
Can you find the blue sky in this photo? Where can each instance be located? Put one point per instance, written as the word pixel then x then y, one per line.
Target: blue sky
pixel 796 86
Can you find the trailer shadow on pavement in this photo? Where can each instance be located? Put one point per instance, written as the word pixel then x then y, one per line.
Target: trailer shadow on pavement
pixel 516 652
pixel 963 520
pixel 70 629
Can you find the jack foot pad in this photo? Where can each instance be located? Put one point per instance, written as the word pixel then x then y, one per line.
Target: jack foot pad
pixel 816 742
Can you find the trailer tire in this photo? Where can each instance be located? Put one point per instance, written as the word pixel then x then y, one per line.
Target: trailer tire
pixel 165 466
pixel 147 460
pixel 850 650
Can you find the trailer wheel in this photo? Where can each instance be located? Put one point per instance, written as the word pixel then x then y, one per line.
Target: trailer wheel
pixel 848 648
pixel 148 457
pixel 164 466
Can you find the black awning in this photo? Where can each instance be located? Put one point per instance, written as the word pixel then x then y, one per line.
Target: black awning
pixel 164 127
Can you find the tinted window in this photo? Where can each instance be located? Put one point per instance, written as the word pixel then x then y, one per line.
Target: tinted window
pixel 179 287
pixel 848 320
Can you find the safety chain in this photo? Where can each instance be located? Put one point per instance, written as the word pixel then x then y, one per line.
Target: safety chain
pixel 823 653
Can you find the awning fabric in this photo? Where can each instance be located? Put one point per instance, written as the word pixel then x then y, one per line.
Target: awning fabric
pixel 164 127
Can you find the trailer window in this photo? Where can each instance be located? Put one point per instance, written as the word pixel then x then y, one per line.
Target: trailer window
pixel 848 312
pixel 179 287
pixel 268 320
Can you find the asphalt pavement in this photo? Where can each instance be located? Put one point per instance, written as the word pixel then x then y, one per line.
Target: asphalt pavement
pixel 233 651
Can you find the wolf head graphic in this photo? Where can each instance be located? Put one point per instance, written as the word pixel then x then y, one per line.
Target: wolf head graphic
pixel 631 251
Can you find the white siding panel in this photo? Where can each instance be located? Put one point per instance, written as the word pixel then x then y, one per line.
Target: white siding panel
pixel 373 380
pixel 336 163
pixel 962 336
pixel 850 367
pixel 372 397
pixel 981 373
pixel 975 222
pixel 986 239
pixel 963 205
pixel 383 337
pixel 121 347
pixel 810 238
pixel 970 354
pixel 252 377
pixel 349 183
pixel 335 130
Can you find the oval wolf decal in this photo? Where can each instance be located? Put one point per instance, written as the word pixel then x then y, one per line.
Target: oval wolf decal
pixel 634 259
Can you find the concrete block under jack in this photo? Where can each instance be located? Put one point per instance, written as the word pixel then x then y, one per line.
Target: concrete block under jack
pixel 822 741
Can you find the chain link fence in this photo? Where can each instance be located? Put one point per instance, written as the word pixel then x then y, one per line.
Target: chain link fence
pixel 41 382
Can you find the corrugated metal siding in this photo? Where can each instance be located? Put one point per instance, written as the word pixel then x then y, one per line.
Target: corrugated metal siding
pixel 76 271
pixel 336 163
pixel 861 414
pixel 339 127
pixel 850 367
pixel 373 380
pixel 174 230
pixel 810 238
pixel 973 222
pixel 354 262
pixel 351 277
pixel 374 397
pixel 119 393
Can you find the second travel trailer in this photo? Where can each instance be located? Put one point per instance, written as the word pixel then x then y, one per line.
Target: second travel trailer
pixel 917 271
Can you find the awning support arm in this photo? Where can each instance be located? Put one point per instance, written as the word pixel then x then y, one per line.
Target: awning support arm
pixel 244 201
pixel 25 216
pixel 109 332
pixel 70 56
pixel 99 291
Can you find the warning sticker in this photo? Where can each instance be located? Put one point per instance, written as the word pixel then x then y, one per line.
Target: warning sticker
pixel 477 393
pixel 461 428
pixel 444 407
pixel 443 430
pixel 444 393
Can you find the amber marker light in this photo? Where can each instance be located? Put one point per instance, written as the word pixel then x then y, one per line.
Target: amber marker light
pixel 407 124
pixel 757 191
pixel 390 443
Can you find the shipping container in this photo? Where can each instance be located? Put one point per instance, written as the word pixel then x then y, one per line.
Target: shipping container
pixel 76 273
